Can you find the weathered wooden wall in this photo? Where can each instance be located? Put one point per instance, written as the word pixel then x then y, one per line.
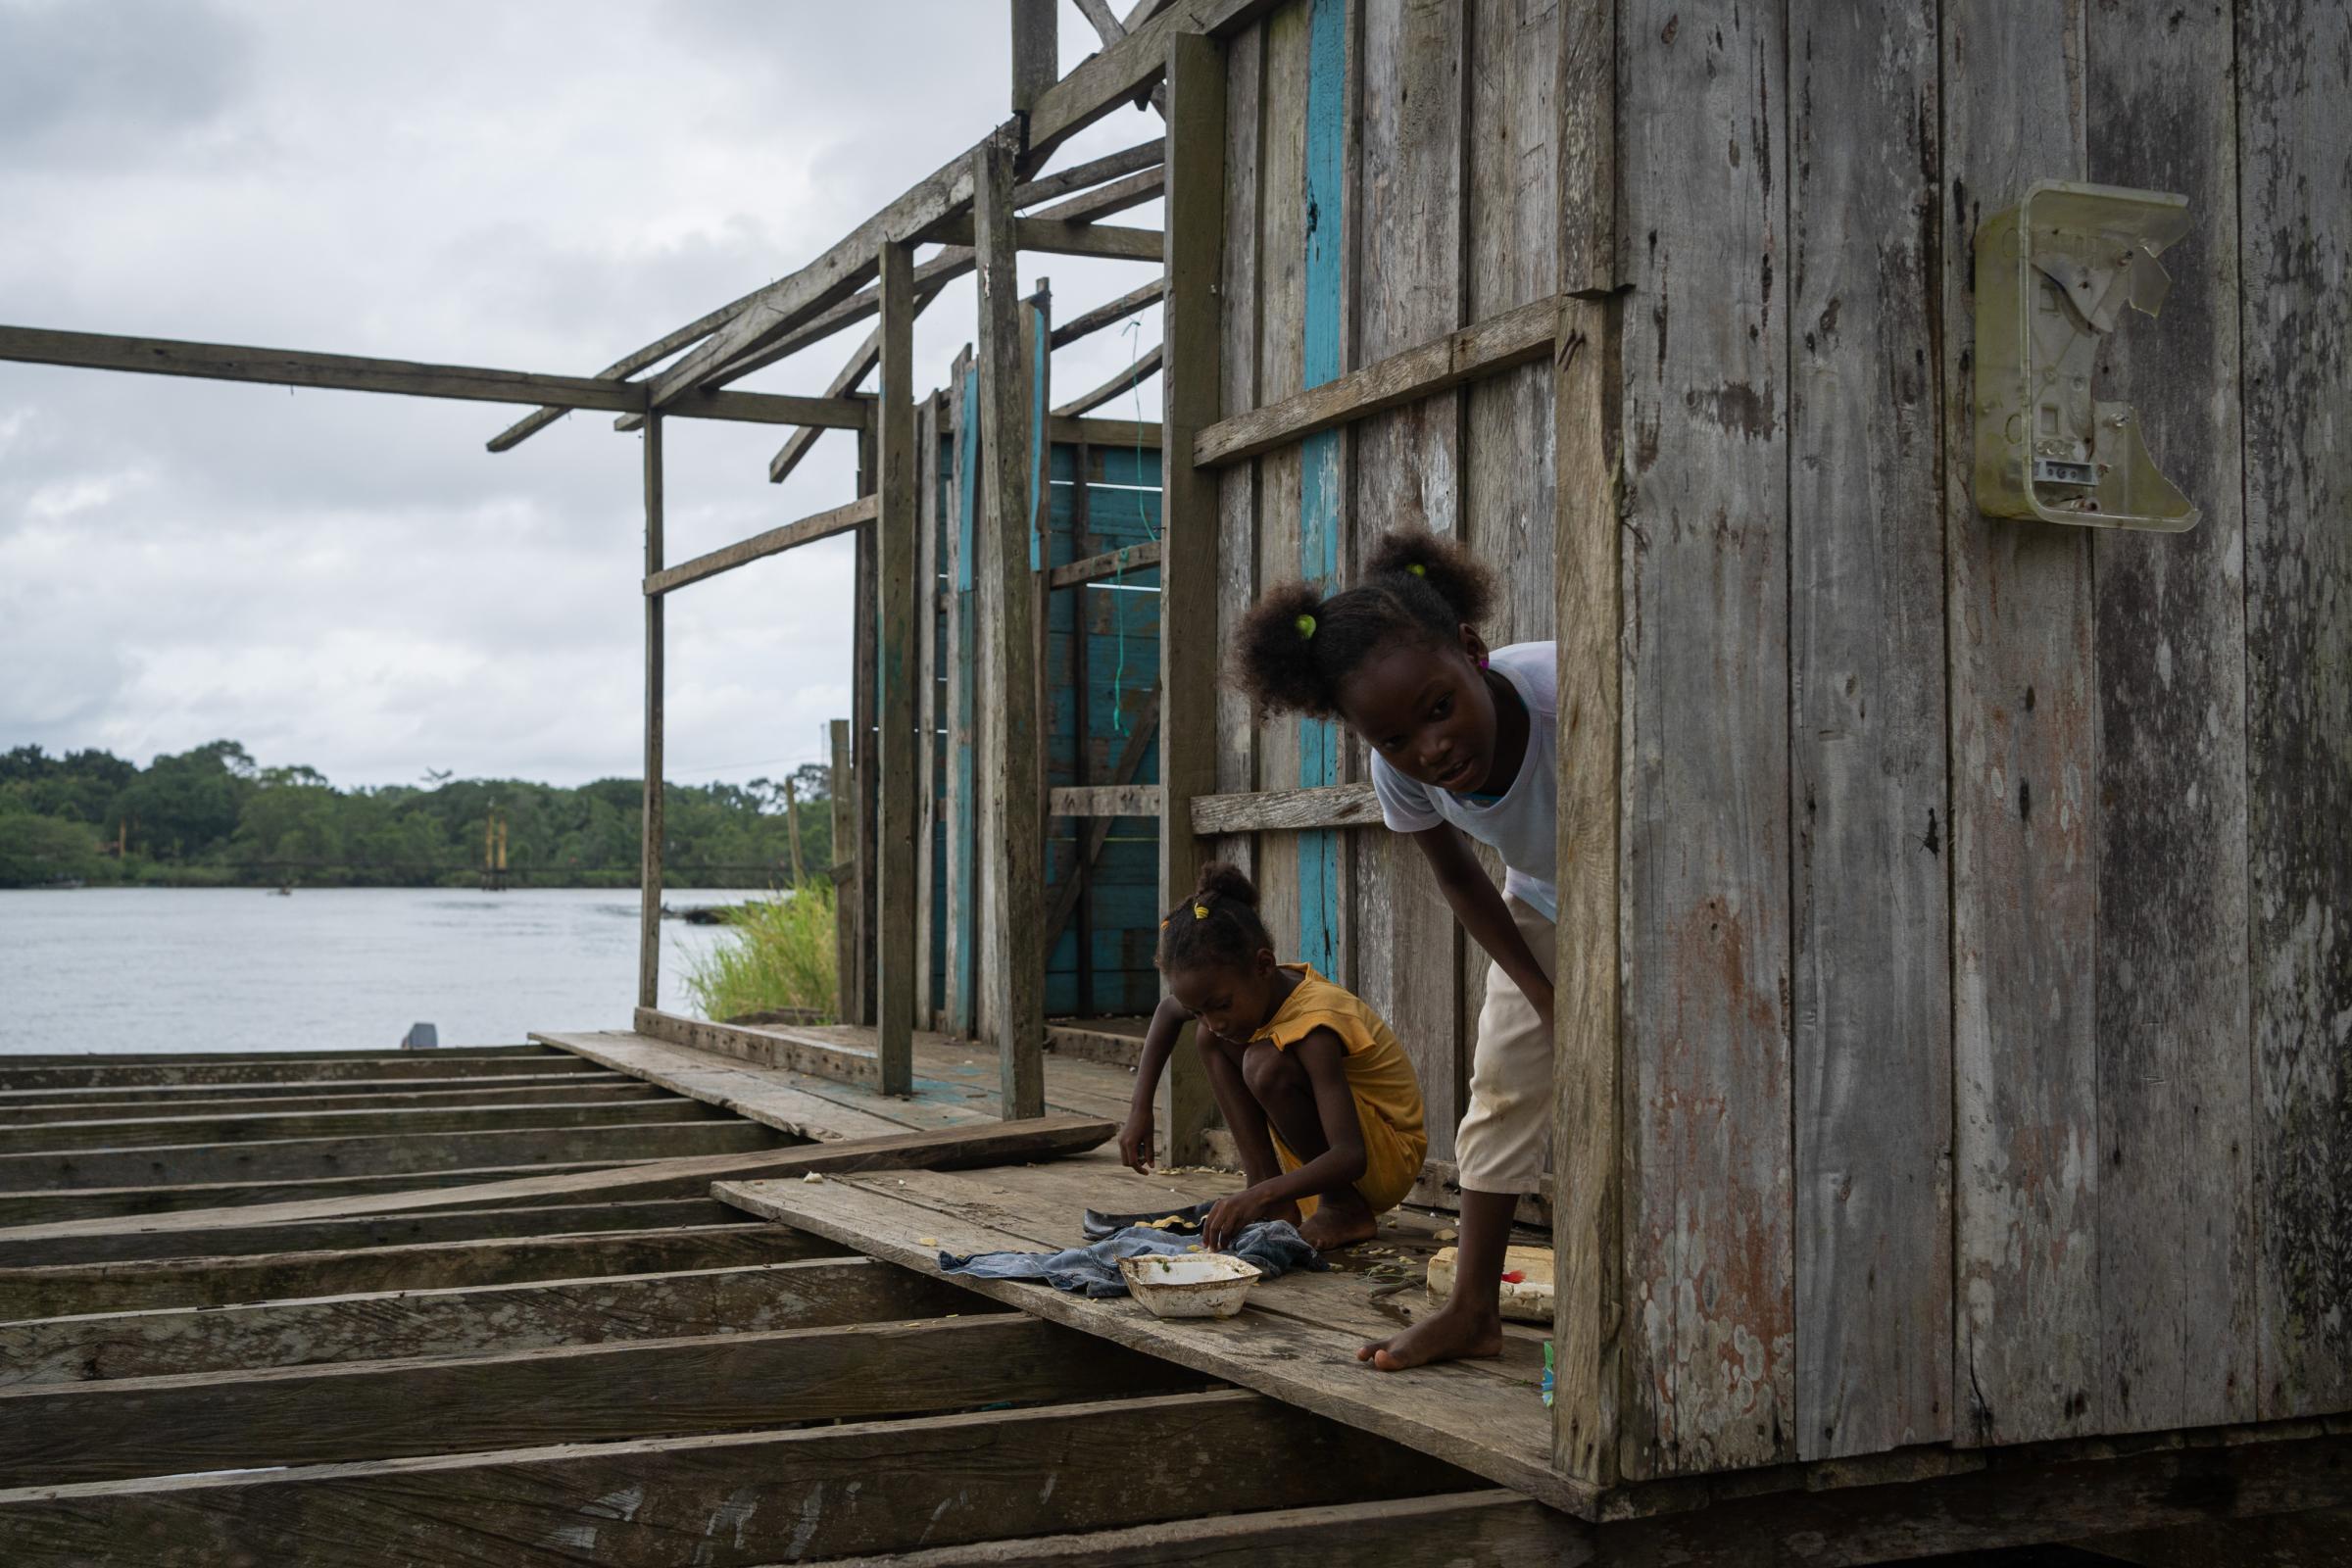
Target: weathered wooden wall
pixel 1982 889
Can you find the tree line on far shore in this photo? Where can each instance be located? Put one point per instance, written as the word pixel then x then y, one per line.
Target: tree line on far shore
pixel 212 816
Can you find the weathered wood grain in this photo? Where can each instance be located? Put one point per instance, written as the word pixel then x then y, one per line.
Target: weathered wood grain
pixel 383 1153
pixel 91 1073
pixel 1237 486
pixel 347 1232
pixel 1102 83
pixel 1871 1047
pixel 738 1499
pixel 651 833
pixel 1110 563
pixel 770 542
pixel 1286 811
pixel 470 1320
pixel 1088 323
pixel 73 1289
pixel 1011 772
pixel 2295 197
pixel 929 616
pixel 1710 1354
pixel 1035 51
pixel 959 1014
pixel 2025 879
pixel 897 663
pixel 381 1409
pixel 1105 799
pixel 1191 547
pixel 143 1131
pixel 768 1046
pixel 1078 176
pixel 26 1107
pixel 2176 1205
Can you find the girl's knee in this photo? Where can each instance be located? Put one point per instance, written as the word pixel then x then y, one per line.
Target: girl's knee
pixel 1270 1072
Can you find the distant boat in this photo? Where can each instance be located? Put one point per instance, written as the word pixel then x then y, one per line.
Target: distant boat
pixel 284 892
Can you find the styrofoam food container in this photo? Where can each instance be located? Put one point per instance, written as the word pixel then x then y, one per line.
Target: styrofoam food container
pixel 1194 1285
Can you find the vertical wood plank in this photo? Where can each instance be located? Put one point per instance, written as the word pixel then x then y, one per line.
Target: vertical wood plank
pixel 896 666
pixel 1588 1306
pixel 1709 1254
pixel 1409 291
pixel 649 861
pixel 2176 1254
pixel 1012 791
pixel 962 739
pixel 865 774
pixel 1189 653
pixel 1322 457
pixel 1036 51
pixel 1871 1033
pixel 2025 885
pixel 2295 183
pixel 1237 483
pixel 1282 328
pixel 845 930
pixel 927 618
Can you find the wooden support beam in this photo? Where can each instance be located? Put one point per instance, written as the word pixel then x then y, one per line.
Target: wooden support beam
pixel 298 1159
pixel 145 1131
pixel 1286 811
pixel 1055 237
pixel 1119 196
pixel 1104 801
pixel 1487 348
pixel 854 370
pixel 864 738
pixel 1035 50
pixel 1078 176
pixel 769 407
pixel 738 1083
pixel 139 1205
pixel 934 274
pixel 1109 315
pixel 896 663
pixel 470 1320
pixel 1144 366
pixel 650 822
pixel 42 1060
pixel 572 1393
pixel 768 1046
pixel 923 1485
pixel 1012 774
pixel 1189 653
pixel 1110 563
pixel 774 542
pixel 1106 434
pixel 841 795
pixel 824 282
pixel 349 1232
pixel 73 1289
pixel 951 1148
pixel 234 1099
pixel 1127 70
pixel 91 1073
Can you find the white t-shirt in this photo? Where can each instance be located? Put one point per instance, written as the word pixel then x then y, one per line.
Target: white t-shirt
pixel 1523 825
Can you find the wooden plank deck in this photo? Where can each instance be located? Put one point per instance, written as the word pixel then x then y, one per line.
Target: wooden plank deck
pixel 1296 1342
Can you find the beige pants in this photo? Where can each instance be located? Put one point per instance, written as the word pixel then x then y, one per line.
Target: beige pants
pixel 1501 1144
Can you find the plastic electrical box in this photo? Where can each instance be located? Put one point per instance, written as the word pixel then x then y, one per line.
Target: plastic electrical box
pixel 2053 277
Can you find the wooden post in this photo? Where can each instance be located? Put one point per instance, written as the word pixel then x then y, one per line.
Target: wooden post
pixel 649 854
pixel 895 669
pixel 792 826
pixel 866 642
pixel 1587 403
pixel 1036 51
pixel 1011 779
pixel 1082 865
pixel 1187 567
pixel 845 877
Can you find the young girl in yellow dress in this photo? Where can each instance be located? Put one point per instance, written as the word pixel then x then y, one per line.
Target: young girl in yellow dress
pixel 1321 1100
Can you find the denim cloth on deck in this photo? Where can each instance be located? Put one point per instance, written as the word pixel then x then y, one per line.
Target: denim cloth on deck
pixel 1274 1245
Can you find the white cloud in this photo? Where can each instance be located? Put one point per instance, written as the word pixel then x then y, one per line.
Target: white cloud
pixel 351 581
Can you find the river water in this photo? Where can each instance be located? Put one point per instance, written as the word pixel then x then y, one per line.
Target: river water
pixel 329 968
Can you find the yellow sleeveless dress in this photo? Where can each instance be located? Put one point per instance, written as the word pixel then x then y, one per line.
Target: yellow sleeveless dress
pixel 1387 1095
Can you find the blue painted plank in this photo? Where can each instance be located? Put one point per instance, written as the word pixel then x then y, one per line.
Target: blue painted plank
pixel 967 654
pixel 1319 455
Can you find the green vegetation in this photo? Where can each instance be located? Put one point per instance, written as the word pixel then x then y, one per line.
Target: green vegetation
pixel 212 816
pixel 780 955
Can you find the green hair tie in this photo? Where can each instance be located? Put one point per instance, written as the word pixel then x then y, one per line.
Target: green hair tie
pixel 1306 626
pixel 1418 570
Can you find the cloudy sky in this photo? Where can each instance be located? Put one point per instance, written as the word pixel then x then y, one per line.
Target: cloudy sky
pixel 351 581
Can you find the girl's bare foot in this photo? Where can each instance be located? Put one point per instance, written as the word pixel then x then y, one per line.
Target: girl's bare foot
pixel 1446 1335
pixel 1334 1225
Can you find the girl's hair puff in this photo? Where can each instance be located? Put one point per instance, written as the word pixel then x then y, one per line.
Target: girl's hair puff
pixel 1296 647
pixel 1218 923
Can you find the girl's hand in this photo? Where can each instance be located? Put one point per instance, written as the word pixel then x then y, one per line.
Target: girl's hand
pixel 1135 1142
pixel 1232 1216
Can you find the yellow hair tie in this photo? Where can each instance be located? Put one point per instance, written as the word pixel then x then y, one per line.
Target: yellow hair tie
pixel 1306 626
pixel 1199 911
pixel 1163 925
pixel 1418 570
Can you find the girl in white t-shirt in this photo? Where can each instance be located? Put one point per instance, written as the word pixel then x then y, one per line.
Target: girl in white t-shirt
pixel 1463 741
